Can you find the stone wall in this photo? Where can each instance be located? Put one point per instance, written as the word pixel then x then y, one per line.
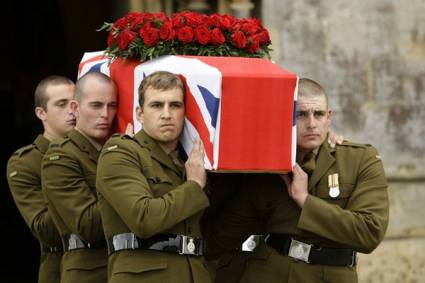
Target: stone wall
pixel 370 56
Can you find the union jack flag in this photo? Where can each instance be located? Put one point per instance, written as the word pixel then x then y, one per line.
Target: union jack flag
pixel 242 109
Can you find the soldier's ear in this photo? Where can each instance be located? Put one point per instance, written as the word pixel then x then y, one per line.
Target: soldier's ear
pixel 74 108
pixel 139 114
pixel 40 113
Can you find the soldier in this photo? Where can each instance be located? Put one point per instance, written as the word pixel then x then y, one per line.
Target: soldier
pixel 150 201
pixel 312 222
pixel 52 106
pixel 69 178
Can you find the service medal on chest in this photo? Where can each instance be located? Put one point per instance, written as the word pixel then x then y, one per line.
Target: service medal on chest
pixel 333 185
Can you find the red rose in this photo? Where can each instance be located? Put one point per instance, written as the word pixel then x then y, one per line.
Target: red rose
pixel 145 27
pixel 217 37
pixel 254 44
pixel 111 38
pixel 193 19
pixel 149 17
pixel 177 21
pixel 227 21
pixel 213 20
pixel 249 28
pixel 202 35
pixel 236 26
pixel 121 23
pixel 185 34
pixel 149 35
pixel 167 32
pixel 125 37
pixel 160 16
pixel 238 39
pixel 264 37
pixel 136 21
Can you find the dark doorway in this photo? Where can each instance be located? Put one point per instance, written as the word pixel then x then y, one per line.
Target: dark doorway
pixel 39 38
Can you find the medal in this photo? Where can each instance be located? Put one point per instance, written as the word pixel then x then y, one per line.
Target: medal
pixel 333 185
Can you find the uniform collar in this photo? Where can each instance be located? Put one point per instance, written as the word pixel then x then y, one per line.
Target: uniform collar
pixel 84 144
pixel 96 145
pixel 157 152
pixel 324 161
pixel 42 143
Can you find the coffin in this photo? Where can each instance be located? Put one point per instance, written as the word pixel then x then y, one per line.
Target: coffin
pixel 241 108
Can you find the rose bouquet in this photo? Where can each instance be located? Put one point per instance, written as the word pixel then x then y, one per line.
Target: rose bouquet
pixel 149 35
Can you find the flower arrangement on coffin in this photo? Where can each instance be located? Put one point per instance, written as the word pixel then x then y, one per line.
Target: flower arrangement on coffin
pixel 149 35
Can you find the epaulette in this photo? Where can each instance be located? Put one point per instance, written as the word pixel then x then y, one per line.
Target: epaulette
pixel 354 144
pixel 114 141
pixel 59 143
pixel 24 149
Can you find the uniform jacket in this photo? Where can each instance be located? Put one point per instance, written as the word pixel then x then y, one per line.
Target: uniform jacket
pixel 24 177
pixel 356 219
pixel 142 191
pixel 69 182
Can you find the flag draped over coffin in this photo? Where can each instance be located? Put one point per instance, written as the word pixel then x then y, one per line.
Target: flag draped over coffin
pixel 241 108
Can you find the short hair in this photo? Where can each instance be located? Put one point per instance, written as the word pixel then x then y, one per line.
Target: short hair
pixel 80 85
pixel 40 94
pixel 160 80
pixel 308 87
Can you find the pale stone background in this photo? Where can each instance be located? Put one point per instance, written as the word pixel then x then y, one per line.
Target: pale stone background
pixel 370 56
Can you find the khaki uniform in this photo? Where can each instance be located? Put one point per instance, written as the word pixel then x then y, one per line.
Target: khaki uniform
pixel 142 191
pixel 24 177
pixel 357 218
pixel 69 178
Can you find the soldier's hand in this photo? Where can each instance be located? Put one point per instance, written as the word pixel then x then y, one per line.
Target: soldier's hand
pixel 334 138
pixel 129 130
pixel 195 165
pixel 297 186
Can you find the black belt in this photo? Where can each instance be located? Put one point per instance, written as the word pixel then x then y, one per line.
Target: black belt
pixel 180 244
pixel 74 242
pixel 50 249
pixel 286 245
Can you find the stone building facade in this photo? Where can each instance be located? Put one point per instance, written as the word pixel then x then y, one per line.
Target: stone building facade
pixel 370 56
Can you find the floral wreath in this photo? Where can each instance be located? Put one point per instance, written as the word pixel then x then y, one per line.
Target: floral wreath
pixel 149 35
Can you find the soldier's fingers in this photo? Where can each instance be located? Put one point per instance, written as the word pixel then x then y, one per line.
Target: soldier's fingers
pixel 298 171
pixel 331 143
pixel 201 148
pixel 198 149
pixel 129 130
pixel 195 146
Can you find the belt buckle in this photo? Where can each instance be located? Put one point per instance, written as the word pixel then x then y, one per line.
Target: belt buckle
pixel 72 242
pixel 353 259
pixel 130 241
pixel 299 250
pixel 188 245
pixel 251 243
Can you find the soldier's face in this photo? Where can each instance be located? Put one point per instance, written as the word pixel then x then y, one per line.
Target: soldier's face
pixel 162 116
pixel 313 121
pixel 97 109
pixel 58 118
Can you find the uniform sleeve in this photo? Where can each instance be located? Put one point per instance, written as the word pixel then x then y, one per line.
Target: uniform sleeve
pixel 362 224
pixel 121 181
pixel 67 191
pixel 25 185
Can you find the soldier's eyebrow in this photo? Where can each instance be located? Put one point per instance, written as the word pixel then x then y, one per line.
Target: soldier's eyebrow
pixel 62 100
